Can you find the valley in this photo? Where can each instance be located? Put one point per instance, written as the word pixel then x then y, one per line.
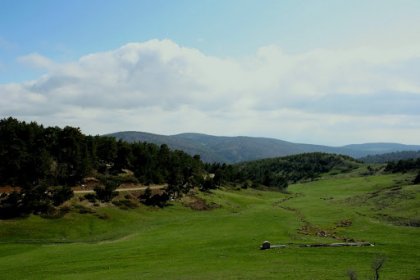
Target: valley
pixel 178 242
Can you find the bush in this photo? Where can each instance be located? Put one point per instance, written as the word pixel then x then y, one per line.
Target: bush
pixel 11 206
pixel 103 216
pixel 246 184
pixel 147 194
pixel 59 195
pixel 160 200
pixel 90 197
pixel 208 184
pixel 106 192
pixel 417 179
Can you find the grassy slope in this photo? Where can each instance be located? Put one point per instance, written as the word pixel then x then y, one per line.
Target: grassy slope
pixel 180 243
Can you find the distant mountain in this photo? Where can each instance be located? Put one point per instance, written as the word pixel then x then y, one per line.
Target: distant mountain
pixel 241 148
pixel 362 150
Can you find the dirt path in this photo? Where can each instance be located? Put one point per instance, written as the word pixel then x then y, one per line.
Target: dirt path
pixel 310 229
pixel 142 188
pixel 8 189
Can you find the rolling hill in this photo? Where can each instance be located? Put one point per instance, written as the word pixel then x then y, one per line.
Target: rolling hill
pixel 241 148
pixel 394 156
pixel 182 242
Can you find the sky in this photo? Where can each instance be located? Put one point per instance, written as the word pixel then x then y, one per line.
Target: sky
pixel 330 72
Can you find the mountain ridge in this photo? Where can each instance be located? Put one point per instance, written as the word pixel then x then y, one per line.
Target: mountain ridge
pixel 233 149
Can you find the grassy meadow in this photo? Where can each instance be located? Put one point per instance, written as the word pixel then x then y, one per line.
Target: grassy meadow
pixel 178 242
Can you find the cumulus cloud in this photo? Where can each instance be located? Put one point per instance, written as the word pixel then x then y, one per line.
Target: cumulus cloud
pixel 159 86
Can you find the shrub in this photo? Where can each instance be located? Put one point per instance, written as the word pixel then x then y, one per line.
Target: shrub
pixel 417 179
pixel 103 216
pixel 59 195
pixel 106 192
pixel 90 197
pixel 160 200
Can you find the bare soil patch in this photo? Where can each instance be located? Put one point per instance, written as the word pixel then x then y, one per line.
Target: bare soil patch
pixel 9 189
pixel 198 203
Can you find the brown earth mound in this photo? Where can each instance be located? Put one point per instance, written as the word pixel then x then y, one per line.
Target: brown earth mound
pixel 197 203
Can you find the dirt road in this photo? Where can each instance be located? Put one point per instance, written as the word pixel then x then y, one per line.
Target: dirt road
pixel 142 188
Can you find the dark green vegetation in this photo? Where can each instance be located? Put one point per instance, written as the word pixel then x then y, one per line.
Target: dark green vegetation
pixel 403 165
pixel 388 157
pixel 178 242
pixel 408 165
pixel 279 172
pixel 303 167
pixel 238 149
pixel 42 164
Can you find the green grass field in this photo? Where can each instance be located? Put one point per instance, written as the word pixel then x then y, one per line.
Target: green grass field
pixel 180 243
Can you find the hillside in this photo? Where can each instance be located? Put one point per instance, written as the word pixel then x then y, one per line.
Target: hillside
pixel 277 172
pixel 237 149
pixel 40 167
pixel 395 156
pixel 178 242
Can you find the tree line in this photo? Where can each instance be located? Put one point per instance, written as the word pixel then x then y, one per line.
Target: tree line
pixel 279 172
pixel 42 164
pixel 403 166
pixel 388 157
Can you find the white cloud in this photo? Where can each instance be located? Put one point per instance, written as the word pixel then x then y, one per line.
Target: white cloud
pixel 319 96
pixel 37 60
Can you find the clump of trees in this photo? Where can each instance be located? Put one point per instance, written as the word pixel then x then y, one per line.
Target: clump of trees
pixel 407 165
pixel 403 165
pixel 42 164
pixel 150 199
pixel 106 190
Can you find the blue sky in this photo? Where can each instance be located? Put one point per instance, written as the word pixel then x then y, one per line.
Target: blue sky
pixel 262 68
pixel 66 30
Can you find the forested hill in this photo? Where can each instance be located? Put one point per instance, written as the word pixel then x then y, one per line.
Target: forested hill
pixel 43 164
pixel 388 157
pixel 283 170
pixel 238 149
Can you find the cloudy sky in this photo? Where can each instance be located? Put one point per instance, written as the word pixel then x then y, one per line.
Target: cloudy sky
pixel 329 72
